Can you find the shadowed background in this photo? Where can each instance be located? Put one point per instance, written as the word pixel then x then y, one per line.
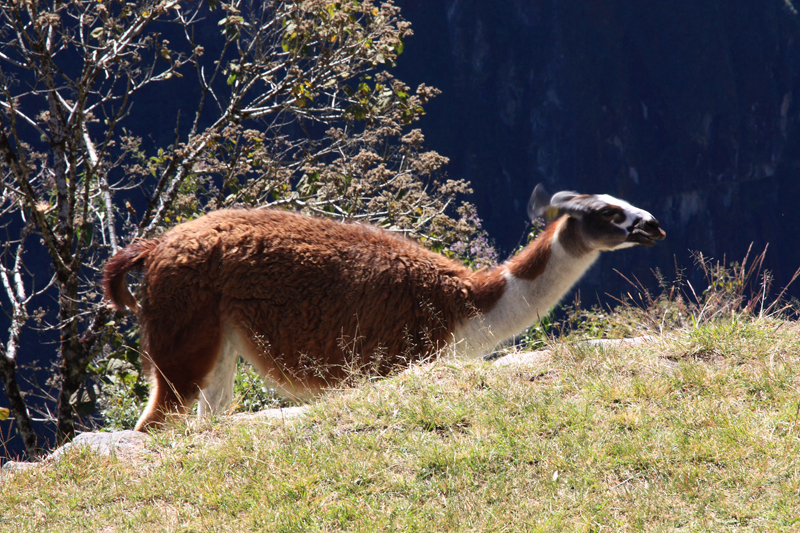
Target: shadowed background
pixel 688 109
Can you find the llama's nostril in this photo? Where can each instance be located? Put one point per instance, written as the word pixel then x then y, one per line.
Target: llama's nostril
pixel 636 224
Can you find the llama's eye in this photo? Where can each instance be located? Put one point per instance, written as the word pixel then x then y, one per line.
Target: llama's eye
pixel 609 212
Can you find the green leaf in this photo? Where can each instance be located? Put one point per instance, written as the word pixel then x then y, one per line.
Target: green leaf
pixel 231 79
pixel 141 391
pixel 4 413
pixel 86 233
pixel 132 356
pixel 357 111
pixel 83 401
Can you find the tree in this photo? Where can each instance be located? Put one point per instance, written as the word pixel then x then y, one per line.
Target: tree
pixel 287 106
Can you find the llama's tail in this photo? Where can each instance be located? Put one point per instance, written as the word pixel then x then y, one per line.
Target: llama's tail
pixel 114 284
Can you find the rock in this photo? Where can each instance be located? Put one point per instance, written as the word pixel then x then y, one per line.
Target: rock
pixel 124 443
pixel 543 356
pixel 280 413
pixel 12 467
pixel 525 358
pixel 130 445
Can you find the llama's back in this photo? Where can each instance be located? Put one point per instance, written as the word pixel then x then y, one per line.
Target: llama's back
pixel 305 289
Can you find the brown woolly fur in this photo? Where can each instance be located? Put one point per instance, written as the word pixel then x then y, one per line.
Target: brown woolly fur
pixel 531 262
pixel 485 287
pixel 127 259
pixel 307 293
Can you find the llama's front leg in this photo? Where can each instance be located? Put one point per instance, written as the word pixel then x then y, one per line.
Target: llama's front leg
pixel 217 396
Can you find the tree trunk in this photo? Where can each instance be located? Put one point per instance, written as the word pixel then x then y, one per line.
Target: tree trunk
pixel 8 373
pixel 77 353
pixel 72 372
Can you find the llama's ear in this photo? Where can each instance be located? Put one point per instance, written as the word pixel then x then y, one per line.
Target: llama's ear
pixel 539 202
pixel 574 204
pixel 561 199
pixel 542 204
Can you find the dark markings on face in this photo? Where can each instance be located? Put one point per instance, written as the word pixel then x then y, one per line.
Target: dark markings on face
pixel 594 224
pixel 601 227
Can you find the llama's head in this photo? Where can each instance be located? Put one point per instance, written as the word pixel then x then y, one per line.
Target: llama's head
pixel 605 222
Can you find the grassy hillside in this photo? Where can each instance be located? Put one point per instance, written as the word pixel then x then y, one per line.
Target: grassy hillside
pixel 696 431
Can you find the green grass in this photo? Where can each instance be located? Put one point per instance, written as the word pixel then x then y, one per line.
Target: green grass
pixel 696 432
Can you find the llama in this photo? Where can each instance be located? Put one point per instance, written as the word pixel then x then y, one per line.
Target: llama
pixel 305 300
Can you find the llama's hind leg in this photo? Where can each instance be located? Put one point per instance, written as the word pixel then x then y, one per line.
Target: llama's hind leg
pixel 179 363
pixel 164 399
pixel 217 396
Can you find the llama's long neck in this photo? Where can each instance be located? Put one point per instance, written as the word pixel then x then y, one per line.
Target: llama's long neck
pixel 535 280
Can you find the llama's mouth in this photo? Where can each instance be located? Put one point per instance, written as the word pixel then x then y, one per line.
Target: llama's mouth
pixel 640 237
pixel 646 233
